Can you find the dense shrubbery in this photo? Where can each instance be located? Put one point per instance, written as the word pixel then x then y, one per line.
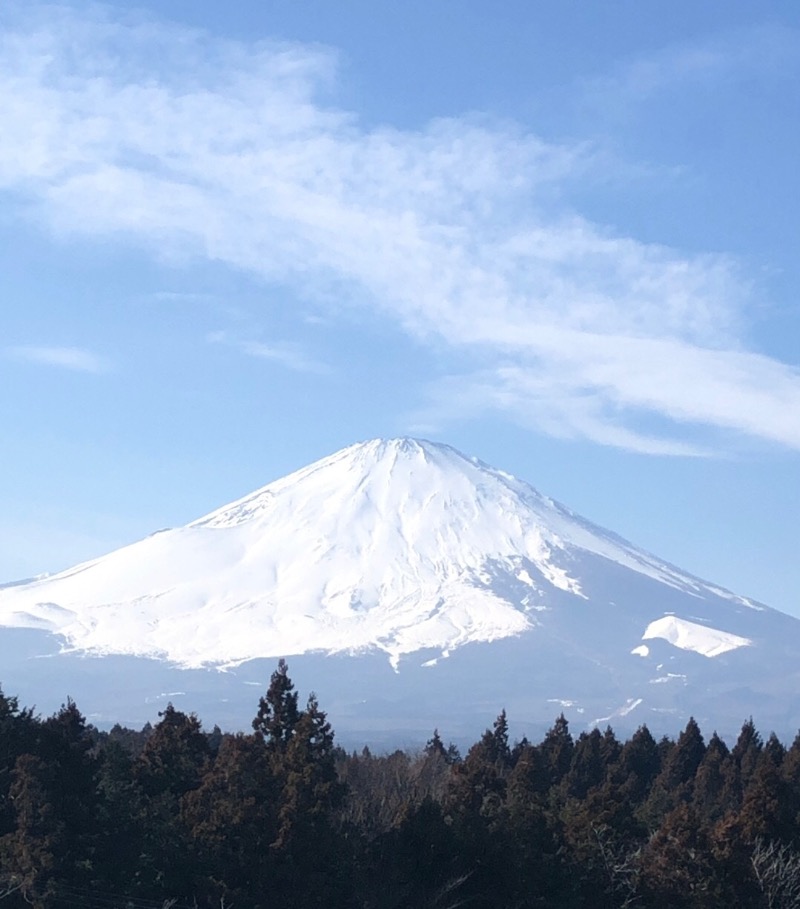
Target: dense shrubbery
pixel 281 818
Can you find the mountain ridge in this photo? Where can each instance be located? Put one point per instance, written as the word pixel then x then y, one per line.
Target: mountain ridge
pixel 408 548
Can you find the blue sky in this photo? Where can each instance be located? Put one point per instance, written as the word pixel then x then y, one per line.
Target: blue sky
pixel 559 236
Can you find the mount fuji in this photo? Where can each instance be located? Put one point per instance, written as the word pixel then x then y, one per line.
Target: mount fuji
pixel 412 587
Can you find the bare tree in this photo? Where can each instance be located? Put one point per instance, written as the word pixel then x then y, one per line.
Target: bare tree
pixel 622 867
pixel 9 885
pixel 777 870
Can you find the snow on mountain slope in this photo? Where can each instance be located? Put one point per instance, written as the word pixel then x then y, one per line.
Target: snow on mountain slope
pixel 393 545
pixel 687 635
pixel 481 592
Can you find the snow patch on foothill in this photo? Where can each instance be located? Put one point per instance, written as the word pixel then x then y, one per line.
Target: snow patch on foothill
pixel 710 642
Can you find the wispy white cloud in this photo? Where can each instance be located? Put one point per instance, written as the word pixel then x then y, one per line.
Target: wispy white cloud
pixel 283 353
pixel 769 50
pixel 289 355
pixel 74 358
pixel 459 232
pixel 587 389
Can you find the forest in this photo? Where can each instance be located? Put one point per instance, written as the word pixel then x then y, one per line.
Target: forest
pixel 173 816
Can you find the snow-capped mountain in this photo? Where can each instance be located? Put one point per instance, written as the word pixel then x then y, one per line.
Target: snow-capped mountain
pixel 418 571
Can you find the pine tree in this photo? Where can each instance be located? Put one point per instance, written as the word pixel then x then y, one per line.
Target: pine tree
pixel 435 745
pixel 638 765
pixel 231 819
pixel 499 741
pixel 54 838
pixel 712 781
pixel 172 763
pixel 532 830
pixel 674 784
pixel 310 783
pixel 557 748
pixel 588 767
pixel 744 757
pixel 678 869
pixel 175 756
pixel 278 714
pixel 17 734
pixel 682 764
pixel 119 820
pixel 33 855
pixel 307 872
pixel 479 782
pixel 767 805
pixel 790 772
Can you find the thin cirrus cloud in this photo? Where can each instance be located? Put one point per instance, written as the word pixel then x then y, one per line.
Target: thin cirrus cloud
pixel 769 50
pixel 458 232
pixel 75 359
pixel 282 353
pixel 287 355
pixel 581 390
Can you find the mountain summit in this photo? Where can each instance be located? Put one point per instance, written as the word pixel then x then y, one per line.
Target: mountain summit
pixel 410 549
pixel 397 545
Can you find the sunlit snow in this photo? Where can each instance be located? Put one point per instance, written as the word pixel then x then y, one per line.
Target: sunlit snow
pixel 397 545
pixel 710 642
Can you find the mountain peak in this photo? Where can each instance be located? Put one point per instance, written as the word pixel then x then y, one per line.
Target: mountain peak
pixel 368 454
pixel 396 544
pixel 401 546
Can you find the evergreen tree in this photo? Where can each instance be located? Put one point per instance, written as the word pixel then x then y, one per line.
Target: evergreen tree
pixel 638 765
pixel 712 782
pixel 678 869
pixel 119 820
pixel 744 757
pixel 556 750
pixel 533 831
pixel 479 782
pixel 499 741
pixel 311 789
pixel 231 818
pixel 435 745
pixel 33 854
pixel 17 737
pixel 790 773
pixel 767 805
pixel 172 763
pixel 674 784
pixel 305 849
pixel 588 766
pixel 278 714
pixel 52 845
pixel 175 756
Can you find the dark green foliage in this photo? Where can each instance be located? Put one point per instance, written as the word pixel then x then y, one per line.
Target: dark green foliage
pixel 677 867
pixel 17 735
pixel 713 781
pixel 53 840
pixel 744 758
pixel 277 710
pixel 479 782
pixel 638 765
pixel 556 750
pixel 588 766
pixel 231 819
pixel 174 757
pixel 282 817
pixel 674 784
